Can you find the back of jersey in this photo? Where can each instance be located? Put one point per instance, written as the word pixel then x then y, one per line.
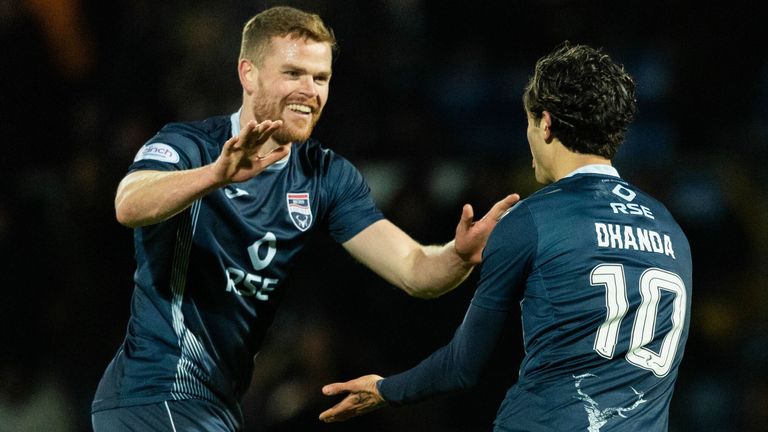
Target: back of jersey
pixel 606 308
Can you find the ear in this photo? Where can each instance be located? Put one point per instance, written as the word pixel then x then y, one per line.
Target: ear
pixel 545 123
pixel 248 73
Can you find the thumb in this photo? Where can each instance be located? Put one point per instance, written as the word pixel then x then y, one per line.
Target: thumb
pixel 467 215
pixel 330 389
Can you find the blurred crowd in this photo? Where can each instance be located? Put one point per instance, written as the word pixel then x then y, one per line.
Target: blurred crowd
pixel 426 101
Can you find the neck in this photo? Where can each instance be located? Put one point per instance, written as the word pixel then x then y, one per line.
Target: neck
pixel 246 112
pixel 246 115
pixel 568 161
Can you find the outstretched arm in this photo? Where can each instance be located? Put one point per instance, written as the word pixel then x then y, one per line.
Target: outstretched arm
pixel 453 367
pixel 426 271
pixel 148 197
pixel 458 365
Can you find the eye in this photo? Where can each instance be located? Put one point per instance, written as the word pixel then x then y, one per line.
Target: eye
pixel 292 73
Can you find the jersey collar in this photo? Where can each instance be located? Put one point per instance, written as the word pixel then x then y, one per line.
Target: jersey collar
pixel 595 169
pixel 234 119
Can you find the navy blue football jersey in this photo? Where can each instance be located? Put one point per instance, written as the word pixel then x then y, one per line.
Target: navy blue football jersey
pixel 602 276
pixel 208 280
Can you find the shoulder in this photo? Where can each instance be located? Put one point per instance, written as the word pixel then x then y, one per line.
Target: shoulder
pixel 202 130
pixel 314 156
pixel 312 149
pixel 186 143
pixel 517 223
pixel 548 197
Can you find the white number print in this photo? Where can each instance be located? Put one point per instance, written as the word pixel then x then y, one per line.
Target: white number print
pixel 652 282
pixel 612 277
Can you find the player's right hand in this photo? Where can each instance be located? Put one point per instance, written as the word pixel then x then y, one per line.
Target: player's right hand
pixel 245 156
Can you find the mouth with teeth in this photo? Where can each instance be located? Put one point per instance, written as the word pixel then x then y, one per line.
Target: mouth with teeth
pixel 300 108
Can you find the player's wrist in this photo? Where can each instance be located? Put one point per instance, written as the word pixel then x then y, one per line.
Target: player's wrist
pixel 468 259
pixel 214 177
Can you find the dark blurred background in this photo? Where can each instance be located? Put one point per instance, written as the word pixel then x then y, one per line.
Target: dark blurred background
pixel 426 101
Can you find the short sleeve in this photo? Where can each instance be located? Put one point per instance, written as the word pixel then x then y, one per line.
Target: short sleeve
pixel 167 151
pixel 507 260
pixel 351 208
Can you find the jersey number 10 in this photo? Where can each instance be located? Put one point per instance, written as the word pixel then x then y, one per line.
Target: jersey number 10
pixel 652 282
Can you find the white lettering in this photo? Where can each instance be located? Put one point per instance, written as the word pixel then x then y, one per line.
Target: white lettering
pixel 253 284
pixel 632 209
pixel 614 231
pixel 656 242
pixel 267 286
pixel 249 284
pixel 619 208
pixel 239 275
pixel 668 246
pixel 647 212
pixel 157 151
pixel 645 241
pixel 629 237
pixel 602 234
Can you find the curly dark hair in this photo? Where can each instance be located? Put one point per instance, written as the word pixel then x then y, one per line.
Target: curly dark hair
pixel 590 98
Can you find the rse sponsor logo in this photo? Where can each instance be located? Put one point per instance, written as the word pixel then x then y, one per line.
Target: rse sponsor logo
pixel 632 209
pixel 157 151
pixel 249 284
pixel 242 283
pixel 629 208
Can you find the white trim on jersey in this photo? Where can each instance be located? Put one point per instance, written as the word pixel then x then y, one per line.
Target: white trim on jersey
pixel 167 408
pixel 189 378
pixel 595 169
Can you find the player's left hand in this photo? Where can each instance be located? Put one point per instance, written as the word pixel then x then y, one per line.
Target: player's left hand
pixel 362 397
pixel 471 236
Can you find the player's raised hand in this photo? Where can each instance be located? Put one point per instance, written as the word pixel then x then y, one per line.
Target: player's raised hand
pixel 471 235
pixel 362 397
pixel 244 156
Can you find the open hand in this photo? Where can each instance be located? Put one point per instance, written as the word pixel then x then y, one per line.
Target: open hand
pixel 362 397
pixel 244 156
pixel 471 236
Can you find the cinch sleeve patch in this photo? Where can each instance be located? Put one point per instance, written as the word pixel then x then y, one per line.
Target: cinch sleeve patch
pixel 157 151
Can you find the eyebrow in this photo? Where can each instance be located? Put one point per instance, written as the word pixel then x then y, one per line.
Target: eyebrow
pixel 304 70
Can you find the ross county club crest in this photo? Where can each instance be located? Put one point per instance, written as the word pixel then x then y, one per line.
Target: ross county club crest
pixel 299 210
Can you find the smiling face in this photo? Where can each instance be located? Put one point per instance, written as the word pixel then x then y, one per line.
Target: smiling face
pixel 291 84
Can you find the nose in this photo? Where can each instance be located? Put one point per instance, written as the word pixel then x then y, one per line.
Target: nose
pixel 307 86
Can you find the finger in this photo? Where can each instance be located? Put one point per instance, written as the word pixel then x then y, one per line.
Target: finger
pixel 255 135
pixel 243 136
pixel 342 387
pixel 332 389
pixel 268 128
pixel 259 130
pixel 502 206
pixel 274 156
pixel 231 144
pixel 339 412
